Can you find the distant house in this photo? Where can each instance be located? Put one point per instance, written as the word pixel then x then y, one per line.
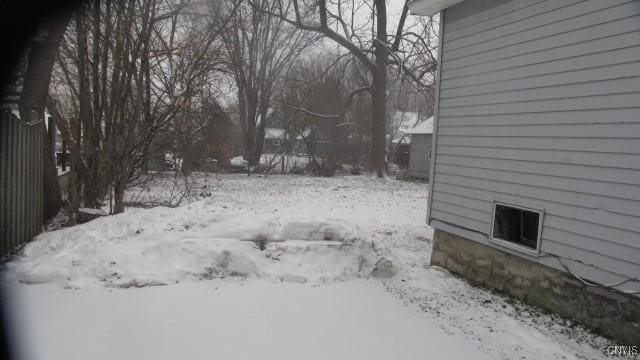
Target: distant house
pixel 273 140
pixel 274 134
pixel 535 175
pixel 277 140
pixel 401 122
pixel 420 150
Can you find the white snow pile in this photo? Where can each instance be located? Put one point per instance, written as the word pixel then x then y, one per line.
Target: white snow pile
pixel 163 246
pixel 316 230
pixel 238 161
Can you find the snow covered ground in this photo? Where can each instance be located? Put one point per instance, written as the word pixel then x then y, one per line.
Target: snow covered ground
pixel 229 319
pixel 276 267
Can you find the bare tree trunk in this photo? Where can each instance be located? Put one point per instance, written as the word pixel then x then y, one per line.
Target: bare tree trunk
pixel 41 57
pixel 118 194
pixel 120 187
pixel 379 96
pixel 259 48
pixel 377 68
pixel 94 140
pixel 259 136
pixel 250 114
pixel 89 180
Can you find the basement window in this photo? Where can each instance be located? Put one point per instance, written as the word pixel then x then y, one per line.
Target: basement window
pixel 517 227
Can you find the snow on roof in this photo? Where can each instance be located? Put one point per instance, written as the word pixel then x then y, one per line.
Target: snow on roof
pixel 425 127
pixel 406 119
pixel 404 122
pixel 273 133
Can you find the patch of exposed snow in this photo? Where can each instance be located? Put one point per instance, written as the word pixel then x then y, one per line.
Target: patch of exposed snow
pixel 425 127
pixel 92 211
pixel 273 133
pixel 60 172
pixel 238 161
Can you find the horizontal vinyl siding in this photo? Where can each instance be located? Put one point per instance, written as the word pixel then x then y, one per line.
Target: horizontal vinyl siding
pixel 627 23
pixel 562 24
pixel 623 146
pixel 552 55
pixel 606 87
pixel 623 161
pixel 600 174
pixel 539 106
pixel 500 83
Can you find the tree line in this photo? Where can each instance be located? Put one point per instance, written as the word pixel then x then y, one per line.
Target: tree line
pixel 126 80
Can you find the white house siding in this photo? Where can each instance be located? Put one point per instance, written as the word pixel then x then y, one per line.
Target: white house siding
pixel 539 105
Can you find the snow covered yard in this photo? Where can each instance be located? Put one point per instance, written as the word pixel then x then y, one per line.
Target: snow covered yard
pixel 277 267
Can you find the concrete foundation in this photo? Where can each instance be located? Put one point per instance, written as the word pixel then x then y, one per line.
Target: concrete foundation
pixel 610 313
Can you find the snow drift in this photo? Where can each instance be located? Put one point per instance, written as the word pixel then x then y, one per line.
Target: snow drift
pixel 164 246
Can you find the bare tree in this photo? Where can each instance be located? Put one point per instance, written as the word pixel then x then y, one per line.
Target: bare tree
pixel 125 70
pixel 259 48
pixel 338 21
pixel 317 101
pixel 198 134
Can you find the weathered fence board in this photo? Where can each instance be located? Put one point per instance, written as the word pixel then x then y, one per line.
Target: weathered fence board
pixel 21 183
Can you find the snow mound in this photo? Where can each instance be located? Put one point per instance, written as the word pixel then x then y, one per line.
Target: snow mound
pixel 238 161
pixel 164 246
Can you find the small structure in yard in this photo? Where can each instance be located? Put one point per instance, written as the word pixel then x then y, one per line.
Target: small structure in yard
pixel 535 177
pixel 401 122
pixel 420 150
pixel 273 140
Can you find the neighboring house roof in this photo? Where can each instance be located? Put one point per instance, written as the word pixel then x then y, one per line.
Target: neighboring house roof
pixel 273 133
pixel 430 7
pixel 406 120
pixel 425 127
pixel 403 122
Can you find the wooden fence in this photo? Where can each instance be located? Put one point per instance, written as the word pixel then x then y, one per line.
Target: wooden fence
pixel 21 181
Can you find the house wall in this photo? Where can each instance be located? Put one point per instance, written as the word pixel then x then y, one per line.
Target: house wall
pixel 539 106
pixel 419 162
